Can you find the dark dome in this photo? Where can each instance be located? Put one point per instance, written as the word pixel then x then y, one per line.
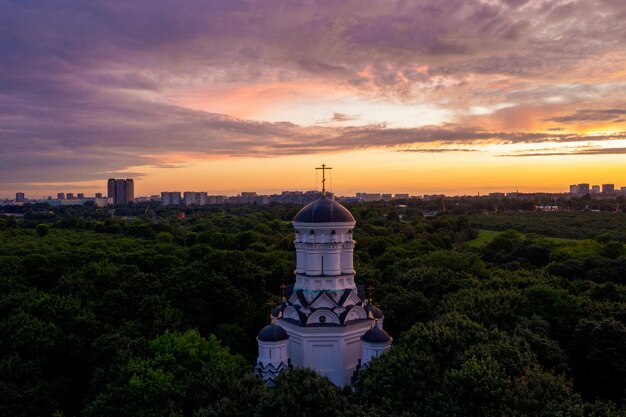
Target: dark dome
pixel 376 312
pixel 324 210
pixel 276 312
pixel 376 335
pixel 273 333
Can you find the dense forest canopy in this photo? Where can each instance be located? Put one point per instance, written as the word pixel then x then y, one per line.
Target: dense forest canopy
pixel 131 311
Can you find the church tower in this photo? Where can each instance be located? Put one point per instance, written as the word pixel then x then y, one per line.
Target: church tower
pixel 325 314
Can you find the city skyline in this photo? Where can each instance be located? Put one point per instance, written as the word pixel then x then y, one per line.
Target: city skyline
pixel 418 97
pixel 196 196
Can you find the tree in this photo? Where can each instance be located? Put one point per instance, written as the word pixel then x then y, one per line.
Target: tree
pixel 302 392
pixel 164 237
pixel 598 350
pixel 184 374
pixel 42 229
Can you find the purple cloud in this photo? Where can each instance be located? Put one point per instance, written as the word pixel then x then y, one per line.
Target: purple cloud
pixel 85 87
pixel 612 115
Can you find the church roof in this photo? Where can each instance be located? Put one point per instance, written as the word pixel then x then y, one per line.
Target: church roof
pixel 324 210
pixel 272 333
pixel 376 335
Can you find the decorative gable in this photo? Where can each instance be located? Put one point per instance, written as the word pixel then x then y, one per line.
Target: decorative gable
pixel 323 301
pixel 352 299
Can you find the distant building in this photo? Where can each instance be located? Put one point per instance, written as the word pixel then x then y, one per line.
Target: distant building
pixel 122 191
pixel 191 198
pixel 428 197
pixel 99 202
pixel 111 188
pixel 296 197
pixel 69 196
pixel 496 195
pixel 248 197
pixel 170 198
pixel 623 189
pixel 98 195
pixel 401 196
pixel 595 189
pixel 547 208
pixel 216 199
pixel 573 189
pixel 608 188
pixel 60 196
pixel 583 188
pixel 370 196
pixel 19 197
pixel 80 195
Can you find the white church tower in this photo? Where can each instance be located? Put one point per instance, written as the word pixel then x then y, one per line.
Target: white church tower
pixel 328 324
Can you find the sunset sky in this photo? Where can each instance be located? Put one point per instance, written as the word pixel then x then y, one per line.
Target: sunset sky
pixel 452 96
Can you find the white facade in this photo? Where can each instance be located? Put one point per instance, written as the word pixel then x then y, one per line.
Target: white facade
pixel 333 352
pixel 324 256
pixel 370 350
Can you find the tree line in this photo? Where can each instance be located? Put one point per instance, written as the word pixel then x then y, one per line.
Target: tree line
pixel 140 313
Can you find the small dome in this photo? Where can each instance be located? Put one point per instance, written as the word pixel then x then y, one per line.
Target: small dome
pixel 277 312
pixel 324 210
pixel 272 333
pixel 376 312
pixel 376 335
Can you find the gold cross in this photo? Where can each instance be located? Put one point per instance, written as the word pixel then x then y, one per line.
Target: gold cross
pixel 271 303
pixel 282 287
pixel 323 168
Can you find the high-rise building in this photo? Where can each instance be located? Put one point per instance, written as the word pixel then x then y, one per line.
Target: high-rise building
pixel 608 188
pixel 195 198
pixel 595 189
pixel 573 189
pixel 98 195
pixel 60 196
pixel 111 188
pixel 80 196
pixel 130 190
pixel 19 197
pixel 122 191
pixel 70 196
pixel 170 198
pixel 583 188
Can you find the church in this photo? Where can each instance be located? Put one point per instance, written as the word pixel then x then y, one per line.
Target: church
pixel 324 322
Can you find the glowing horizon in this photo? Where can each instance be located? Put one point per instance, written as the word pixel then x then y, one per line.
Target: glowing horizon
pixel 421 97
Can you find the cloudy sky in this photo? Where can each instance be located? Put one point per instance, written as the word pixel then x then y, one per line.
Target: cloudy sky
pixel 418 96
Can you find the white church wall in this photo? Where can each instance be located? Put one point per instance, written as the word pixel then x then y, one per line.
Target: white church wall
pixel 311 347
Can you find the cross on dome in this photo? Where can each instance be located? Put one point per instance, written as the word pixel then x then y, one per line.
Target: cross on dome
pixel 324 169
